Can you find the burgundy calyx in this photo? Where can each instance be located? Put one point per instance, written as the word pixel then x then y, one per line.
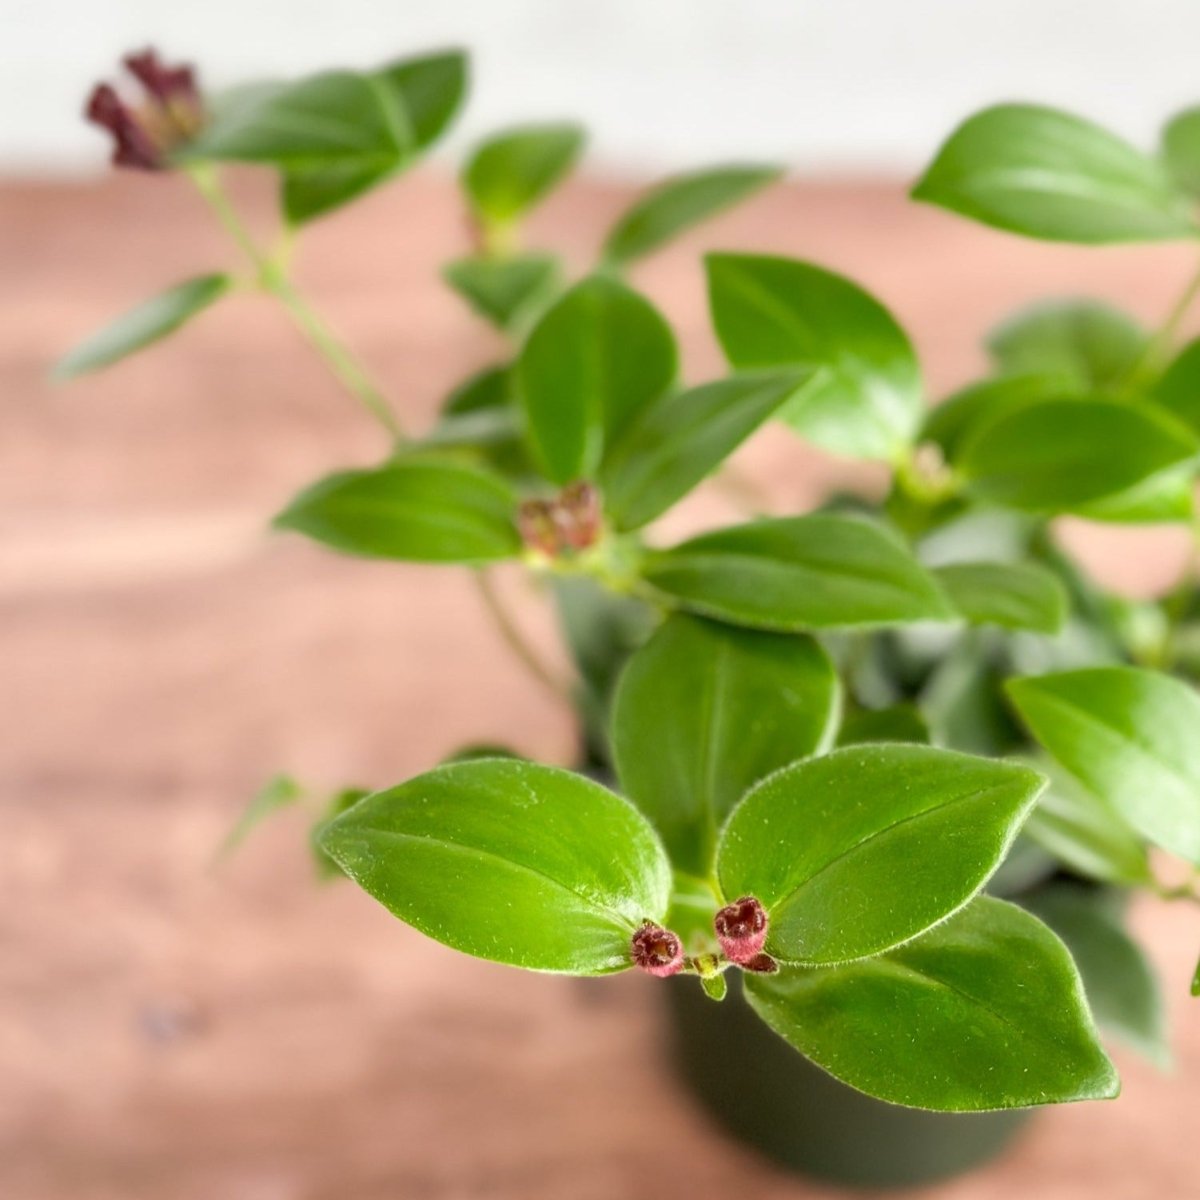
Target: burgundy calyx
pixel 656 950
pixel 566 523
pixel 761 964
pixel 170 115
pixel 742 930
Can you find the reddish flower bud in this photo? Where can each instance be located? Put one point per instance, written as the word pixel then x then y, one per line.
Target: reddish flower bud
pixel 537 526
pixel 742 929
pixel 656 950
pixel 761 964
pixel 172 113
pixel 564 524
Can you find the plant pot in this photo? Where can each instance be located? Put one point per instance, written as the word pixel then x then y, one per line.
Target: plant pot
pixel 775 1100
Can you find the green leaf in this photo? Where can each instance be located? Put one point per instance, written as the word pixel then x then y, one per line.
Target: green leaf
pixel 1130 736
pixel 509 173
pixel 897 723
pixel 703 712
pixel 954 422
pixel 485 391
pixel 341 802
pixel 599 356
pixel 1048 174
pixel 336 134
pixel 1085 832
pixel 1012 595
pixel 1093 344
pixel 682 437
pixel 418 510
pixel 795 573
pixel 1181 149
pixel 281 791
pixel 1196 981
pixel 863 849
pixel 1064 455
pixel 1120 983
pixel 1178 388
pixel 677 204
pixel 865 399
pixel 984 1012
pixel 505 291
pixel 509 861
pixel 143 325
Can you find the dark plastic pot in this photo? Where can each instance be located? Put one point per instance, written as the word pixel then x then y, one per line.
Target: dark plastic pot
pixel 772 1098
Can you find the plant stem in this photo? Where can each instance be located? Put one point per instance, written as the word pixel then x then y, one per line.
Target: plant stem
pixel 516 642
pixel 272 278
pixel 1160 343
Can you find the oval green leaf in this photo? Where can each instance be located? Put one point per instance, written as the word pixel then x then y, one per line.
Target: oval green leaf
pixel 504 291
pixel 509 861
pixel 598 357
pixel 984 1012
pixel 703 712
pixel 1178 388
pixel 1049 174
pixel 862 849
pixel 141 326
pixel 677 204
pixel 418 510
pixel 1012 595
pixel 796 573
pixel 1181 149
pixel 682 437
pixel 1121 986
pixel 1130 736
pixel 1064 455
pixel 510 172
pixel 1093 344
pixel 865 399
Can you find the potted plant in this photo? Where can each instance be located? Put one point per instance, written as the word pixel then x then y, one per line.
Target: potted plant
pixel 864 789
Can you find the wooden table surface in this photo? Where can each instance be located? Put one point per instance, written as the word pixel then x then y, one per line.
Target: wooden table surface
pixel 171 1030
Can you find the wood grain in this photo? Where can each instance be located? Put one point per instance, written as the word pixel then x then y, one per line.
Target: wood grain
pixel 171 1030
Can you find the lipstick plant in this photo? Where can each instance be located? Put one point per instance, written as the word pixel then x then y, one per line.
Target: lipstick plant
pixel 829 745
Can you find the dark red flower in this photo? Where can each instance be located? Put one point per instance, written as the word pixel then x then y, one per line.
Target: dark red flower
pixel 566 523
pixel 171 113
pixel 656 950
pixel 742 930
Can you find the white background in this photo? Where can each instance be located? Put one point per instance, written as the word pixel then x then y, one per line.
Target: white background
pixel 850 85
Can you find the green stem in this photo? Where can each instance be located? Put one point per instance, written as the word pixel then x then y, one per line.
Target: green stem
pixel 272 278
pixel 1158 346
pixel 514 639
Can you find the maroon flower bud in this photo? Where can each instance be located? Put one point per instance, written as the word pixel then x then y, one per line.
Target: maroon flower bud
pixel 656 950
pixel 579 515
pixel 742 929
pixel 171 114
pixel 538 527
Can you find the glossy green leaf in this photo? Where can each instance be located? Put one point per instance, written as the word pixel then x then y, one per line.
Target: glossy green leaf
pixel 862 849
pixel 419 510
pixel 1085 832
pixel 1181 149
pixel 1130 736
pixel 505 291
pixel 593 362
pixel 509 861
pixel 1064 455
pixel 1012 595
pixel 1093 344
pixel 326 869
pixel 679 203
pixel 682 437
pixel 1049 174
pixel 897 723
pixel 512 171
pixel 865 399
pixel 339 133
pixel 1178 388
pixel 704 711
pixel 953 423
pixel 1120 983
pixel 984 1012
pixel 484 391
pixel 143 325
pixel 281 791
pixel 794 573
